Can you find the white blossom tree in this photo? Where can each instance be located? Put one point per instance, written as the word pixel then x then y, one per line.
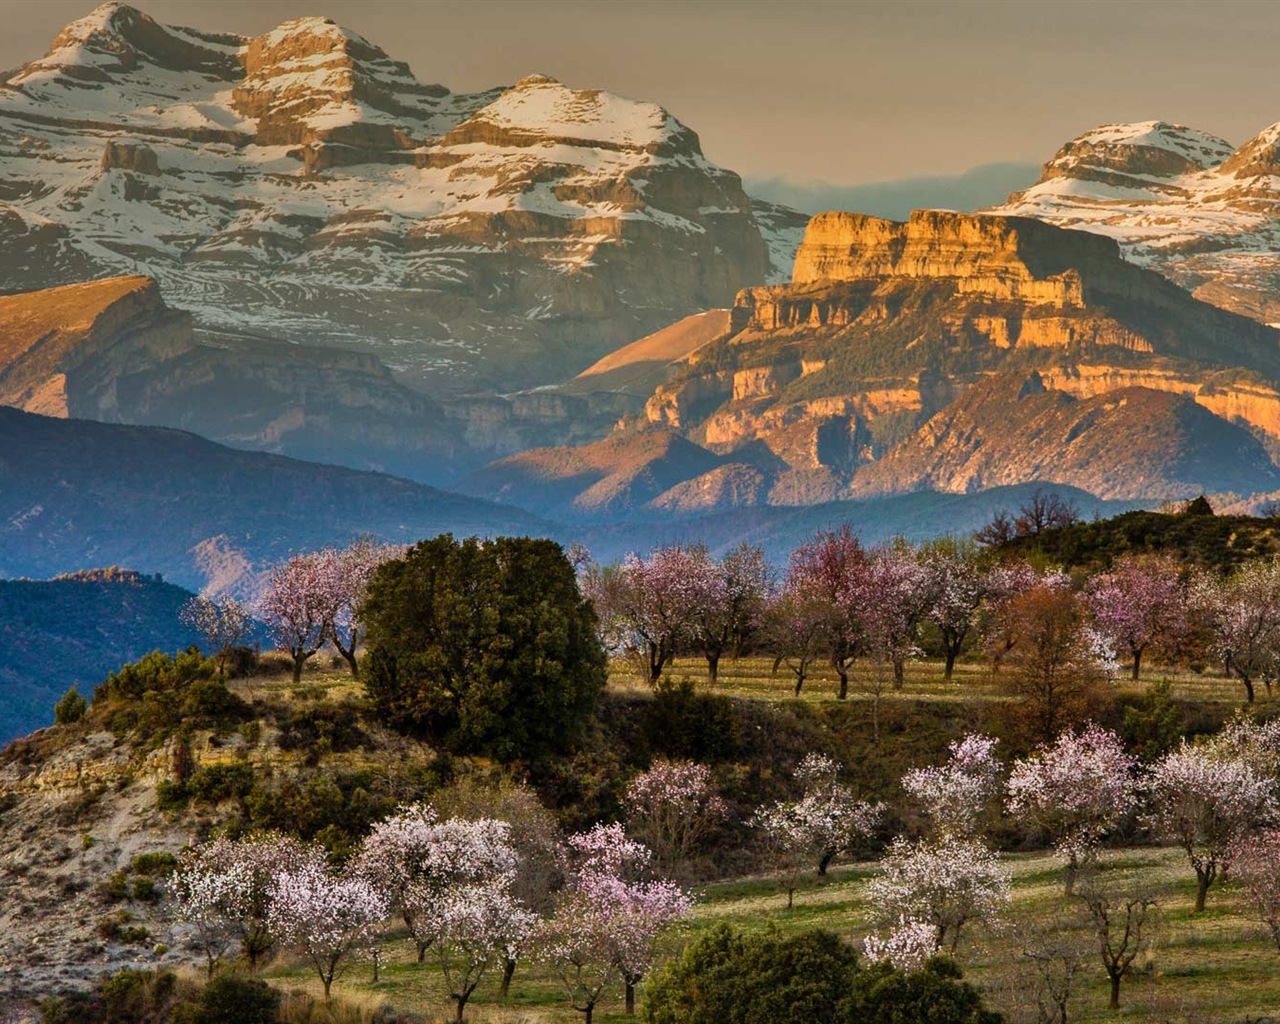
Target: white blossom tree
pixel 906 945
pixel 1255 862
pixel 947 884
pixel 477 925
pixel 325 917
pixel 296 606
pixel 956 586
pixel 954 796
pixel 1205 802
pixel 1075 789
pixel 813 830
pixel 672 808
pixel 223 622
pixel 1243 614
pixel 1140 602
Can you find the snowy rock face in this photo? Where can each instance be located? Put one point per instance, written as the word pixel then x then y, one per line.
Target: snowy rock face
pixel 305 185
pixel 1177 200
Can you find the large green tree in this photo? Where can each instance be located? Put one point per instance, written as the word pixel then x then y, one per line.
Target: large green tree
pixel 485 646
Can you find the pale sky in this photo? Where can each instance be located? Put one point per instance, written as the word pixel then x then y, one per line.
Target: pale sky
pixel 839 92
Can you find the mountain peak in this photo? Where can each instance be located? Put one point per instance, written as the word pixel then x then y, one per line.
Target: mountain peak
pixel 529 81
pixel 1145 148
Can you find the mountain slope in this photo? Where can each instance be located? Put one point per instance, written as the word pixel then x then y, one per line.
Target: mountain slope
pixel 73 631
pixel 1178 200
pixel 75 493
pixel 303 184
pixel 1131 443
pixel 112 350
pixel 888 324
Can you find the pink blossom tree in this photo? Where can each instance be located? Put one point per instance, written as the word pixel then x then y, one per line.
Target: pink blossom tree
pixel 829 570
pixel 349 572
pixel 823 823
pixel 608 922
pixel 891 598
pixel 946 884
pixel 1141 601
pixel 1075 789
pixel 730 601
pixel 477 925
pixel 325 917
pixel 223 622
pixel 296 606
pixel 1243 615
pixel 956 587
pixel 796 627
pixel 1255 862
pixel 672 808
pixel 1206 802
pixel 954 795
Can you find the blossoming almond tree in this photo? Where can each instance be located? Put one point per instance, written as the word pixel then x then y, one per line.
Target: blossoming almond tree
pixel 956 588
pixel 325 917
pixel 1139 602
pixel 213 901
pixel 1207 802
pixel 348 573
pixel 1076 789
pixel 1243 613
pixel 296 606
pixel 907 945
pixel 1256 864
pixel 954 795
pixel 730 601
pixel 477 925
pixel 946 884
pixel 223 622
pixel 672 808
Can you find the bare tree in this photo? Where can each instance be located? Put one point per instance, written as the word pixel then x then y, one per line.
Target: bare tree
pixel 1123 920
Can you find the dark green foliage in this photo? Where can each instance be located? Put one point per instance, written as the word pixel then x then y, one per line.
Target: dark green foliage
pixel 484 646
pixel 231 999
pixel 1195 537
pixel 681 722
pixel 70 708
pixel 217 782
pixel 1156 724
pixel 729 977
pixel 153 865
pixel 935 995
pixel 335 809
pixel 322 728
pixel 171 795
pixel 161 693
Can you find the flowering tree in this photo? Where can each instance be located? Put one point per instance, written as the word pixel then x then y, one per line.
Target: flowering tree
pixel 296 606
pixel 608 922
pixel 821 824
pixel 223 622
pixel 348 573
pixel 1205 802
pixel 828 570
pixel 477 924
pixel 672 808
pixel 1243 615
pixel 1256 864
pixel 891 598
pixel 1076 789
pixel 795 625
pixel 223 889
pixel 1139 602
pixel 954 795
pixel 325 917
pixel 945 884
pixel 730 602
pixel 648 607
pixel 1003 584
pixel 907 946
pixel 956 588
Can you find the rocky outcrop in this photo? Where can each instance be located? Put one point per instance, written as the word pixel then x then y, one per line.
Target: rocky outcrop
pixel 304 184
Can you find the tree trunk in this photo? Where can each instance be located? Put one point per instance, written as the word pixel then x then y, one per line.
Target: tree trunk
pixel 950 665
pixel 297 668
pixel 1073 868
pixel 508 972
pixel 327 981
pixel 799 681
pixel 349 655
pixel 1115 992
pixel 1204 879
pixel 1248 687
pixel 630 997
pixel 843 692
pixel 1137 663
pixel 899 673
pixel 422 950
pixel 713 667
pixel 377 964
pixel 791 897
pixel 825 862
pixel 587 1011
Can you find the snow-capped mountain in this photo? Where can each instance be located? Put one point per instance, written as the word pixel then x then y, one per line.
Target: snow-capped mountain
pixel 305 185
pixel 1180 201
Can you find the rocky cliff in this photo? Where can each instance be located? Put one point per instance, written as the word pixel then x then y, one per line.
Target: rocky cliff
pixel 1180 201
pixel 888 329
pixel 304 184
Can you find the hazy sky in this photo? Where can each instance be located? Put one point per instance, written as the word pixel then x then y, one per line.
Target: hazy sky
pixel 842 92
